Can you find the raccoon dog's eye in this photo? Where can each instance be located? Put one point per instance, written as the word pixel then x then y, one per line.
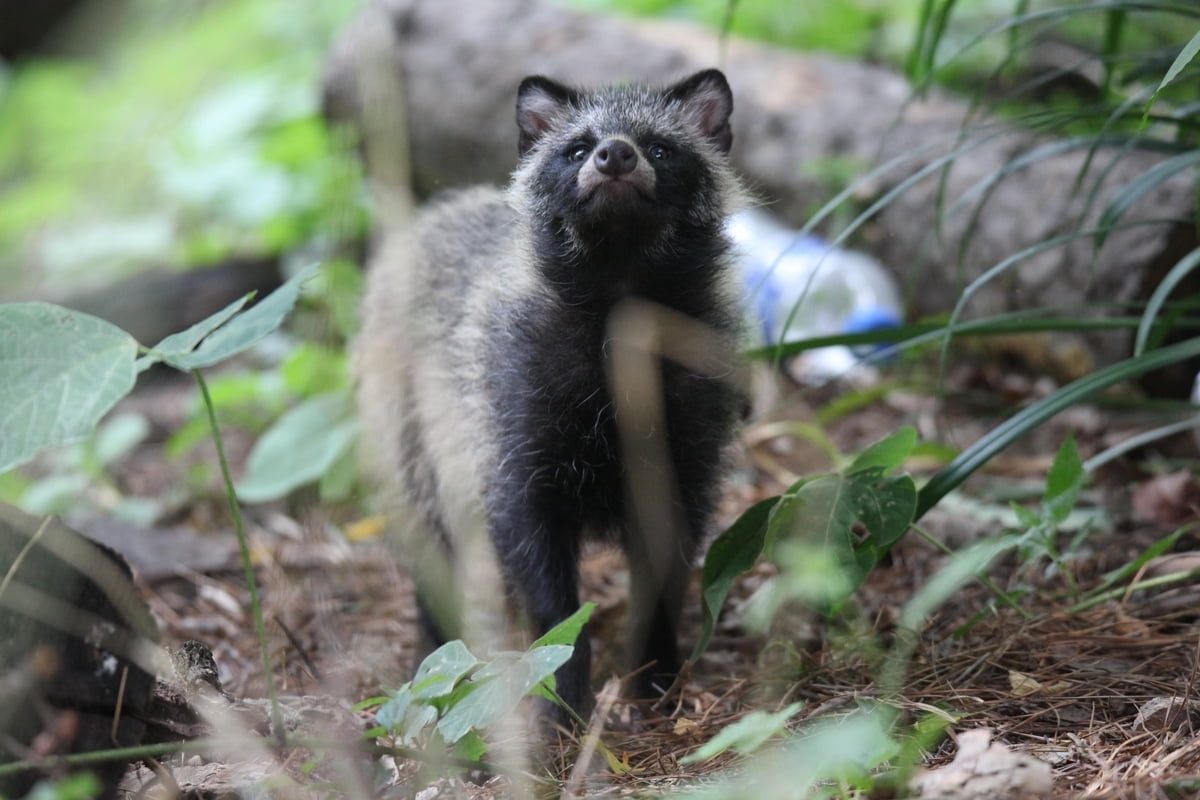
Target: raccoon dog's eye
pixel 658 151
pixel 578 152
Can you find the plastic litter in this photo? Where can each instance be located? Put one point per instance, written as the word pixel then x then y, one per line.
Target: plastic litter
pixel 800 287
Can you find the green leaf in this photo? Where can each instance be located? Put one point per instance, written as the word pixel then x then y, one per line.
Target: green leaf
pixel 888 453
pixel 1029 418
pixel 244 329
pixel 54 494
pixel 392 712
pixel 1185 57
pixel 118 436
pixel 746 735
pixel 884 505
pixel 180 345
pixel 1159 296
pixel 960 568
pixel 1064 480
pixel 1026 517
pixel 1133 191
pixel 500 687
pixel 543 661
pixel 60 371
pixel 299 448
pixel 834 511
pixel 470 747
pixel 442 669
pixel 567 631
pixel 733 552
pixel 406 716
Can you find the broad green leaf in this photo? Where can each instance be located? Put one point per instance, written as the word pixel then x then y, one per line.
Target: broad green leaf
pixel 118 436
pixel 567 631
pixel 819 510
pixel 338 482
pixel 471 746
pixel 60 371
pixel 733 552
pixel 888 453
pixel 299 448
pixel 491 700
pixel 54 494
pixel 543 661
pixel 884 505
pixel 500 687
pixel 1064 480
pixel 746 735
pixel 244 329
pixel 833 511
pixel 406 716
pixel 392 712
pixel 442 669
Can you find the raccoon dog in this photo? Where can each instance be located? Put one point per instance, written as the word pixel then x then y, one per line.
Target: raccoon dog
pixel 484 361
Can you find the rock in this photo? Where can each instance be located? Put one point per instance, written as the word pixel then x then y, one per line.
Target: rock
pixel 459 62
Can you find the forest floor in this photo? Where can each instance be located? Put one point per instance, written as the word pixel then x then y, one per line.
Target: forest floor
pixel 1102 692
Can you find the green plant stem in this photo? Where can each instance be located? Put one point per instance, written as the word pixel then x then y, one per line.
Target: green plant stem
pixel 247 564
pixel 341 746
pixel 988 583
pixel 1188 576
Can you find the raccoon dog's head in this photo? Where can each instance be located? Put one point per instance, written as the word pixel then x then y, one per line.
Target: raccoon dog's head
pixel 626 162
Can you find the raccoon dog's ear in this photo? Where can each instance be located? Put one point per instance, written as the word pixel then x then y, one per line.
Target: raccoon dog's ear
pixel 707 99
pixel 539 100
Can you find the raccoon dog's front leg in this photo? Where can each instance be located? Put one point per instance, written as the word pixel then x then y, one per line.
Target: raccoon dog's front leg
pixel 538 547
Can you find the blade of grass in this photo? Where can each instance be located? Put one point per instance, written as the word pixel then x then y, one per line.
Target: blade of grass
pixel 1185 57
pixel 1029 418
pixel 1161 292
pixel 1133 442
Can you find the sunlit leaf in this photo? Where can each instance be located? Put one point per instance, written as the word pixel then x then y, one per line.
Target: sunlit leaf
pixel 243 330
pixel 746 735
pixel 299 448
pixel 60 371
pixel 442 669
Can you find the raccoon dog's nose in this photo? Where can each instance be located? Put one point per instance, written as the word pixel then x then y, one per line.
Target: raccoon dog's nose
pixel 615 157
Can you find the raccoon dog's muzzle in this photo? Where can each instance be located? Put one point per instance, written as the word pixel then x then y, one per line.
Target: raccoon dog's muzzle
pixel 616 163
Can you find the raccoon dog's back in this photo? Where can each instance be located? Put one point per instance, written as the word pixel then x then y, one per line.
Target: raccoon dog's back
pixel 483 361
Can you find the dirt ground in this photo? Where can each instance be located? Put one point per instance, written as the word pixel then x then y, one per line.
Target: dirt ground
pixel 1103 693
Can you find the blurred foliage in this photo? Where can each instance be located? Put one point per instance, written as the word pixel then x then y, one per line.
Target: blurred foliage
pixel 964 45
pixel 173 133
pixel 867 28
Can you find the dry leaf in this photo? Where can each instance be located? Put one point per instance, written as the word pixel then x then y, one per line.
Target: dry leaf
pixel 984 770
pixel 1168 501
pixel 686 727
pixel 1023 685
pixel 1166 713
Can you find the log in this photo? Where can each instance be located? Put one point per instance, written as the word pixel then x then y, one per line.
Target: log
pixel 77 648
pixel 459 61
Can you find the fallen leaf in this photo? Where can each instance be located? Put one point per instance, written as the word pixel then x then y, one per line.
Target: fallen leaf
pixel 1023 685
pixel 1168 501
pixel 984 770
